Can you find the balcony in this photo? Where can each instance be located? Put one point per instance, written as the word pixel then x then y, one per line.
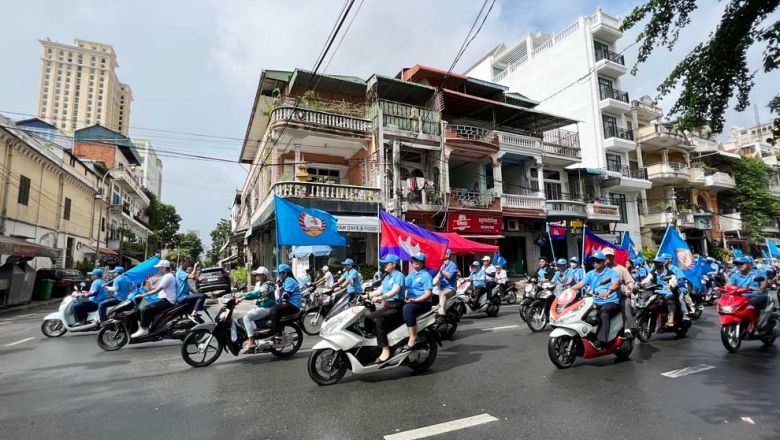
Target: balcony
pixel 459 200
pixel 696 220
pixel 565 207
pixel 319 120
pixel 614 100
pixel 559 147
pixel 598 211
pixel 626 178
pixel 646 111
pixel 683 219
pixel 467 134
pixel 605 27
pixel 610 63
pixel 697 176
pixel 730 222
pixel 657 137
pixel 337 198
pixel 668 173
pixel 719 181
pixel 423 200
pixel 404 119
pixel 770 226
pixel 521 205
pixel 618 139
pixel 657 220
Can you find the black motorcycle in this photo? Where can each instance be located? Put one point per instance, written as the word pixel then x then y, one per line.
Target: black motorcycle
pixel 535 304
pixel 508 293
pixel 652 312
pixel 206 342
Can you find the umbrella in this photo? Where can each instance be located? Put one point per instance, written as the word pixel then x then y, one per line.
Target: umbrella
pixel 305 251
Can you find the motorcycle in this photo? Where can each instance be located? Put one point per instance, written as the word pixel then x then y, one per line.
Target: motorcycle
pixel 575 323
pixel 346 345
pixel 62 321
pixel 652 312
pixel 739 320
pixel 488 304
pixel 507 294
pixel 173 323
pixel 312 303
pixel 205 342
pixel 536 303
pixel 447 327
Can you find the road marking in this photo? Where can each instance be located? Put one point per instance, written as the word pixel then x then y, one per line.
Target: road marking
pixel 748 420
pixel 686 371
pixel 442 428
pixel 19 342
pixel 503 327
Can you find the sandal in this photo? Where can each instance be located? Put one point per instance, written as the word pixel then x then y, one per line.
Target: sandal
pixel 405 348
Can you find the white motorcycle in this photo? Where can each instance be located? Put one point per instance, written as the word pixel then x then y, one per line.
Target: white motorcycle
pixel 62 321
pixel 347 345
pixel 574 320
pixel 467 306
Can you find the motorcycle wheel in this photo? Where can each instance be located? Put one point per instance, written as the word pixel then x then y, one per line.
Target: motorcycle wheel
pixel 201 348
pixel 311 322
pixel 730 337
pixel 523 311
pixel 448 328
pixel 293 332
pixel 623 352
pixel 112 340
pixel 645 329
pixel 697 314
pixel 511 297
pixel 556 349
pixel 492 310
pixel 53 328
pixel 768 340
pixel 423 354
pixel 537 319
pixel 327 366
pixel 682 330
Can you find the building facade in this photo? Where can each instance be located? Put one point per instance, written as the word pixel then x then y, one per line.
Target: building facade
pixel 79 87
pixel 151 166
pixel 740 136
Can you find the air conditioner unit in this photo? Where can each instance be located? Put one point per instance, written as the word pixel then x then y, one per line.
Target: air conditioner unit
pixel 512 224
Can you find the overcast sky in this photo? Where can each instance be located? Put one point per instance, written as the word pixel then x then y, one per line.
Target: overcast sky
pixel 193 66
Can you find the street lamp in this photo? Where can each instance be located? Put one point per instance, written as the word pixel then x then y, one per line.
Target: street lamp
pixel 100 196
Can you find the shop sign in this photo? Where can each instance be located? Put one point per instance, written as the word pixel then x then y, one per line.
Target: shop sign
pixel 474 223
pixel 369 225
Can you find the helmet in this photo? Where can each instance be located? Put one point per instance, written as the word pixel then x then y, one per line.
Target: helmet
pixel 419 257
pixel 325 269
pixel 97 272
pixel 561 262
pixel 486 258
pixel 608 252
pixel 118 269
pixel 742 260
pixel 262 270
pixel 659 259
pixel 283 268
pixel 390 258
pixel 665 256
pixel 574 260
pixel 598 256
pixel 476 264
pixel 348 262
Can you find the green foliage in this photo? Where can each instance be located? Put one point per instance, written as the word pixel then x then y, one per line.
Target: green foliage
pixel 720 253
pixel 716 68
pixel 367 272
pixel 85 266
pixel 189 244
pixel 164 222
pixel 752 197
pixel 239 276
pixel 648 253
pixel 219 237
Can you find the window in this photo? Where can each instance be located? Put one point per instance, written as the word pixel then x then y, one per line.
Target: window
pixel 322 175
pixel 24 190
pixel 619 200
pixel 66 211
pixel 605 88
pixel 614 163
pixel 103 224
pixel 610 126
pixel 489 182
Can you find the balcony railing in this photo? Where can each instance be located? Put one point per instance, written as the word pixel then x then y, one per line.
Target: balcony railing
pixel 611 93
pixel 611 131
pixel 604 212
pixel 719 179
pixel 631 172
pixel 566 208
pixel 468 200
pixel 644 106
pixel 319 118
pixel 429 196
pixel 519 201
pixel 408 117
pixel 557 142
pixel 606 54
pixel 326 191
pixel 470 133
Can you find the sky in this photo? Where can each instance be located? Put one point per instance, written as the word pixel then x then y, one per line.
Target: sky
pixel 194 66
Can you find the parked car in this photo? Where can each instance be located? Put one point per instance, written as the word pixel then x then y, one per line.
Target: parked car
pixel 214 279
pixel 64 279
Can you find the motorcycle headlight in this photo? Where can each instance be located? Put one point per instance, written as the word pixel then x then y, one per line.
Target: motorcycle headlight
pixel 529 288
pixel 726 309
pixel 331 325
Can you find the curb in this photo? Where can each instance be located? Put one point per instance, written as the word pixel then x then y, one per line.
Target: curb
pixel 14 310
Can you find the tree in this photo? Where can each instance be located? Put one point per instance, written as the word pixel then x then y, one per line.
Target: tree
pixel 752 197
pixel 164 222
pixel 716 68
pixel 219 237
pixel 188 244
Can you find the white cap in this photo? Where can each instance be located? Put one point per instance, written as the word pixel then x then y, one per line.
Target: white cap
pixel 262 270
pixel 485 258
pixel 163 263
pixel 325 268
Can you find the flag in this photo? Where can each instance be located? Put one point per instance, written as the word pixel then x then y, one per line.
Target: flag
pixel 405 239
pixel 674 245
pixel 773 250
pixel 299 226
pixel 699 270
pixel 557 232
pixel 139 273
pixel 592 243
pixel 628 244
pixel 737 252
pixel 765 255
pixel 498 260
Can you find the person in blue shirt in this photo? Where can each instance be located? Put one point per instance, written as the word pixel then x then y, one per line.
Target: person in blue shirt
pixel 97 294
pixel 562 277
pixel 640 269
pixel 577 273
pixel 545 271
pixel 658 276
pixel 686 303
pixel 603 283
pixel 478 281
pixel 746 276
pixel 447 283
pixel 391 315
pixel 184 292
pixel 350 279
pixel 119 291
pixel 419 286
pixel 288 301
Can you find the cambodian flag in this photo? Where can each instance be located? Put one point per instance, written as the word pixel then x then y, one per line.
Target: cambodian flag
pixel 592 243
pixel 557 232
pixel 405 240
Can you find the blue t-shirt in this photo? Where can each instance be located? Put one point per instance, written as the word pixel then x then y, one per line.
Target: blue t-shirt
pixel 594 279
pixel 122 286
pixel 98 291
pixel 451 282
pixel 737 279
pixel 391 280
pixel 640 273
pixel 294 291
pixel 417 283
pixel 561 277
pixel 578 274
pixel 354 286
pixel 182 286
pixel 678 273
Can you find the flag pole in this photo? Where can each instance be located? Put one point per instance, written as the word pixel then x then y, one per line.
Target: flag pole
pixel 549 239
pixel 582 261
pixel 378 237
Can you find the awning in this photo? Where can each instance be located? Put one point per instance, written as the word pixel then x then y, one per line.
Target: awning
pixel 460 245
pixel 485 237
pixel 305 251
pixel 106 251
pixel 21 248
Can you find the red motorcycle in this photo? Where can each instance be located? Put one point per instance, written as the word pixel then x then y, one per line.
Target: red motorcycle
pixel 739 319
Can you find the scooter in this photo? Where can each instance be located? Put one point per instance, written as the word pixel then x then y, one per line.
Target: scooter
pixel 739 320
pixel 484 304
pixel 652 312
pixel 62 321
pixel 447 326
pixel 346 345
pixel 508 294
pixel 575 323
pixel 536 302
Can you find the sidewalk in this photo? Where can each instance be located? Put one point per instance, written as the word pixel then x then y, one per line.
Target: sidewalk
pixel 15 310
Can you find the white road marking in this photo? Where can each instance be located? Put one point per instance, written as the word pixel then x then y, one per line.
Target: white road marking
pixel 686 371
pixel 503 327
pixel 442 428
pixel 19 342
pixel 748 420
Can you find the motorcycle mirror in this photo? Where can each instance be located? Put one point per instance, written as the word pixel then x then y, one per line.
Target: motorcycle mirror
pixel 83 284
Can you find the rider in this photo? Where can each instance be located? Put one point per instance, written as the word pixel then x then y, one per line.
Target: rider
pixel 391 315
pixel 656 276
pixel 478 281
pixel 326 278
pixel 640 268
pixel 289 300
pixel 448 282
pixel 577 273
pixel 563 276
pixel 97 294
pixel 626 287
pixel 166 286
pixel 603 282
pixel 545 271
pixel 502 278
pixel 119 292
pixel 185 294
pixel 686 303
pixel 419 285
pixel 264 294
pixel 490 275
pixel 745 276
pixel 350 279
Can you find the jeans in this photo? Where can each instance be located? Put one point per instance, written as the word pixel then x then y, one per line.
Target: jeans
pixel 759 303
pixel 279 311
pixel 606 312
pixel 104 305
pixel 385 320
pixel 149 311
pixel 671 304
pixel 683 305
pixel 443 294
pixel 195 301
pixel 82 309
pixel 413 310
pixel 628 313
pixel 249 319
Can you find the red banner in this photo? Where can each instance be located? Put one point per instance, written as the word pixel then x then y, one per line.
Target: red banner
pixel 475 223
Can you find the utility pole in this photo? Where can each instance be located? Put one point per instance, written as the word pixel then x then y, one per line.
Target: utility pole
pixel 397 191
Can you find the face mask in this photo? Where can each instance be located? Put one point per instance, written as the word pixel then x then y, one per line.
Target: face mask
pixel 573 265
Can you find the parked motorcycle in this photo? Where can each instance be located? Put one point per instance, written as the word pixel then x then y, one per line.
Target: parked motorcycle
pixel 739 320
pixel 536 303
pixel 173 323
pixel 62 321
pixel 575 323
pixel 467 305
pixel 652 312
pixel 508 294
pixel 346 345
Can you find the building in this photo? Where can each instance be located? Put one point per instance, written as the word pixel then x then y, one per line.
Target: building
pixel 739 136
pixel 151 165
pixel 79 87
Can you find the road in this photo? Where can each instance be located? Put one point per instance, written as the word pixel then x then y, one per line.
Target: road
pixel 494 381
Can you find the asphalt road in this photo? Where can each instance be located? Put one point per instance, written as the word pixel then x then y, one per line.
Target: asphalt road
pixel 496 370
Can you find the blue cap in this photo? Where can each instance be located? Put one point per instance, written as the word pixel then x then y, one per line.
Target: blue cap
pixel 419 256
pixel 742 260
pixel 598 256
pixel 390 258
pixel 575 259
pixel 97 272
pixel 659 259
pixel 283 268
pixel 640 259
pixel 118 269
pixel 561 262
pixel 476 263
pixel 348 261
pixel 665 256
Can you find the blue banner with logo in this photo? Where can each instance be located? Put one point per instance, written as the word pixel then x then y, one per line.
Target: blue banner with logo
pixel 628 244
pixel 737 252
pixel 773 250
pixel 299 226
pixel 674 245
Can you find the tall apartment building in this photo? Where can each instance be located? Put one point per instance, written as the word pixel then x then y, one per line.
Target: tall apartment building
pixel 79 87
pixel 151 166
pixel 740 136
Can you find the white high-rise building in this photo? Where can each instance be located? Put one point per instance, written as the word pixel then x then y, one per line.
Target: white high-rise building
pixel 152 166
